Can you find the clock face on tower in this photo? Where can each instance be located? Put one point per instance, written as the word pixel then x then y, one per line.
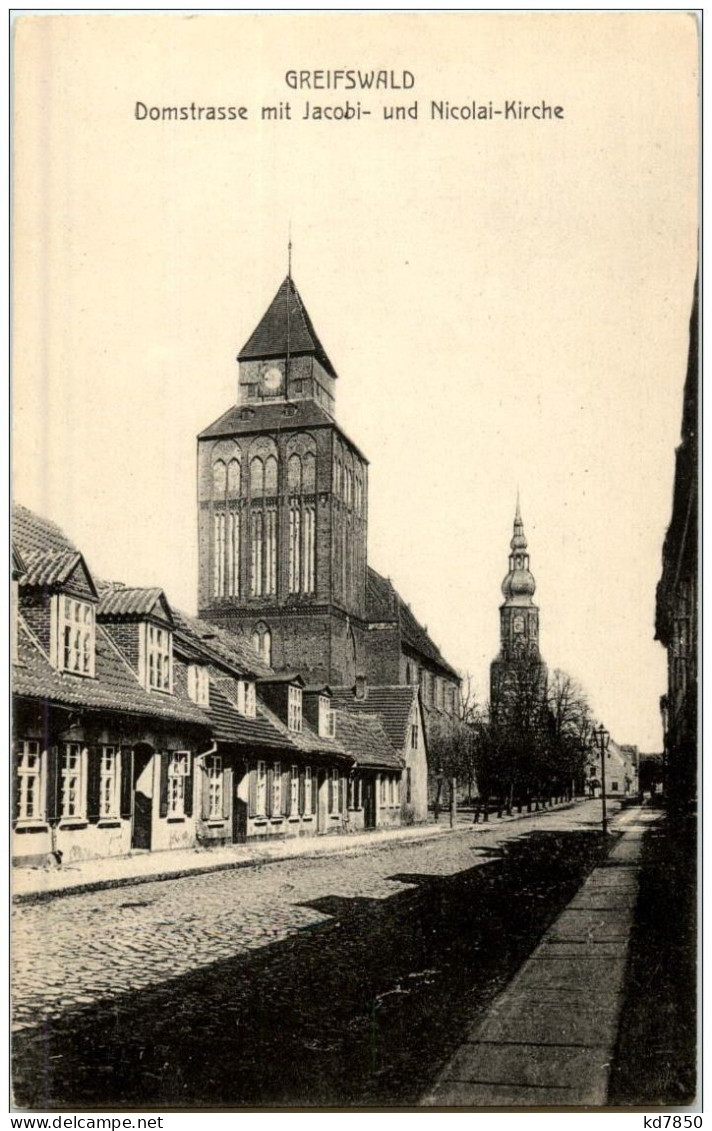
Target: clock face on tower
pixel 272 381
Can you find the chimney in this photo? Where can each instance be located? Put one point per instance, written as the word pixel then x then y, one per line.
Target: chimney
pixel 360 688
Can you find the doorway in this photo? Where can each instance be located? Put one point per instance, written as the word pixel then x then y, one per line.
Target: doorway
pixel 142 797
pixel 369 801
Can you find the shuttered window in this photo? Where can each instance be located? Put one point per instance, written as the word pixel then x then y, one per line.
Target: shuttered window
pixel 261 790
pixel 109 781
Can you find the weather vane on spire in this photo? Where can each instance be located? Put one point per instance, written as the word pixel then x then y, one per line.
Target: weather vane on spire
pixel 289 251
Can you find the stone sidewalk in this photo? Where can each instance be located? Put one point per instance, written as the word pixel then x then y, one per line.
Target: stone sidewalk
pixel 30 885
pixel 549 1038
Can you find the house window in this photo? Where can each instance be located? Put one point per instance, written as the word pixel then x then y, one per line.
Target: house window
pixel 75 636
pixel 408 786
pixel 109 778
pixel 414 736
pixel 159 654
pixel 294 791
pixel 29 785
pixel 326 718
pixel 384 790
pixel 214 771
pixel 199 684
pixel 276 788
pixel 308 791
pixel 294 714
pixel 261 791
pixel 72 781
pixel 219 552
pixel 246 698
pixel 614 786
pixel 178 769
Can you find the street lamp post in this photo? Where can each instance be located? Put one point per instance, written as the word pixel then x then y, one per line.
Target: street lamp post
pixel 600 739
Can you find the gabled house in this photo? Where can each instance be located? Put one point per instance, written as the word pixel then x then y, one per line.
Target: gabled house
pixel 375 782
pixel 399 710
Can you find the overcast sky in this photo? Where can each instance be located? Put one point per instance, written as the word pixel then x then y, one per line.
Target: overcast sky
pixel 506 303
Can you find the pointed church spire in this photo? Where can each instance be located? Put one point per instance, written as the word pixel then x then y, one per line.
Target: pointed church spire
pixel 285 328
pixel 519 541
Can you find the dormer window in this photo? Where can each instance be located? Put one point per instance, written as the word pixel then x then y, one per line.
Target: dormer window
pixel 326 718
pixel 246 698
pixel 199 685
pixel 157 658
pixel 294 712
pixel 74 635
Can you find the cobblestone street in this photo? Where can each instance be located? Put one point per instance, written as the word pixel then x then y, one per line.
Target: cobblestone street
pixel 128 989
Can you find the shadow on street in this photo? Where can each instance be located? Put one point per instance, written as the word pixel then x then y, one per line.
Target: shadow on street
pixel 363 1009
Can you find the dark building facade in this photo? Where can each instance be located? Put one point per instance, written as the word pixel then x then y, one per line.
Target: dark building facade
pixel 677 607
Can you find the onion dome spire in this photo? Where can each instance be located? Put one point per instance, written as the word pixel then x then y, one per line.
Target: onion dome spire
pixel 519 585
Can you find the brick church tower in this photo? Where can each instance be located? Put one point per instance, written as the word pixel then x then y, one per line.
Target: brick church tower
pixel 283 506
pixel 518 672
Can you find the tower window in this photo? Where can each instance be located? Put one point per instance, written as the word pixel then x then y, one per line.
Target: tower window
pixel 233 477
pixel 270 551
pixel 294 475
pixel 219 479
pixel 257 478
pixel 295 521
pixel 256 581
pixel 309 474
pixel 270 476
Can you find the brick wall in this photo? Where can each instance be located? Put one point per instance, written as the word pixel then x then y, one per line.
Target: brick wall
pixel 125 636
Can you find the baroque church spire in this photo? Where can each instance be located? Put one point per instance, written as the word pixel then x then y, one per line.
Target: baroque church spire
pixel 519 585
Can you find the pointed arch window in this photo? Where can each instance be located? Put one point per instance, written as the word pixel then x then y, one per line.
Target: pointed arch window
pixel 233 477
pixel 257 478
pixel 270 487
pixel 309 474
pixel 262 642
pixel 219 479
pixel 294 475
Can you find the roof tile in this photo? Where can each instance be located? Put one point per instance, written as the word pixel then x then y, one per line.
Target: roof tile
pixel 391 705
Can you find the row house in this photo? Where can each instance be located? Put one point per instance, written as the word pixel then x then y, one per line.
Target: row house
pixel 400 715
pixel 140 728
